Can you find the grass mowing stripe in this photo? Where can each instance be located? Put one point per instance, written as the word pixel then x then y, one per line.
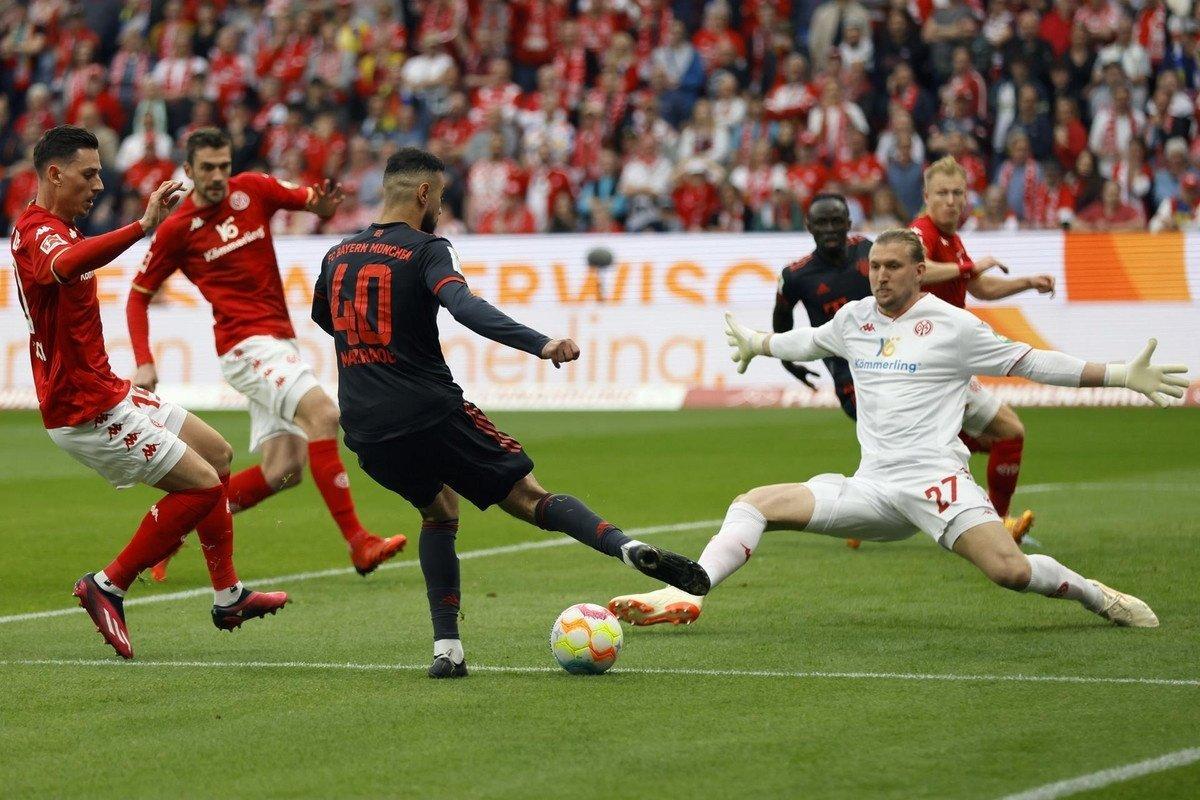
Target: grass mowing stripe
pixel 537 544
pixel 1107 777
pixel 1036 488
pixel 713 673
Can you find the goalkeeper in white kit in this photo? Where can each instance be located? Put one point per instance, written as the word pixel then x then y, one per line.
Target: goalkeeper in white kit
pixel 912 356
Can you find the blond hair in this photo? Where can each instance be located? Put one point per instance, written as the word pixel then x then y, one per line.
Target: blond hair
pixel 945 165
pixel 905 237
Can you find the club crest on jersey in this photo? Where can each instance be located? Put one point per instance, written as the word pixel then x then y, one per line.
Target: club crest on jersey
pixel 197 224
pixel 239 200
pixel 822 288
pixel 923 327
pixel 52 241
pixel 887 346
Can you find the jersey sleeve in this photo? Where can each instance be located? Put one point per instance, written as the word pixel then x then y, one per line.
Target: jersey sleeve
pixel 985 352
pixel 786 290
pixel 44 240
pixel 927 235
pixel 162 258
pixel 829 336
pixel 322 314
pixel 277 194
pixel 440 266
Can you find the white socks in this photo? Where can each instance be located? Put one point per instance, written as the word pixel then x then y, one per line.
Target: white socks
pixel 452 648
pixel 1048 577
pixel 107 585
pixel 625 551
pixel 732 546
pixel 227 597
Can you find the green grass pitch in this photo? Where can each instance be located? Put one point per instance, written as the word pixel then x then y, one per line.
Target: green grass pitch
pixel 344 709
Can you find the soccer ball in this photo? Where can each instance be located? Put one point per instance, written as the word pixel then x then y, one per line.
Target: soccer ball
pixel 586 639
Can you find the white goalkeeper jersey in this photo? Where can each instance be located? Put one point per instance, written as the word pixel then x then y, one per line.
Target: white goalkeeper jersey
pixel 911 374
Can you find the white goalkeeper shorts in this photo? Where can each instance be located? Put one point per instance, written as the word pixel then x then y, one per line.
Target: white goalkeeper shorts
pixel 883 505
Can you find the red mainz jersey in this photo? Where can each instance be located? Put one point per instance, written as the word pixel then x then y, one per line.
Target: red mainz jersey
pixel 940 247
pixel 74 382
pixel 227 251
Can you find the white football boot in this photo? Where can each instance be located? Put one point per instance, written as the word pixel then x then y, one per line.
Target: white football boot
pixel 666 605
pixel 1125 609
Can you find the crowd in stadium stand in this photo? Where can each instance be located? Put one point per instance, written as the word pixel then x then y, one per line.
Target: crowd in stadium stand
pixel 630 115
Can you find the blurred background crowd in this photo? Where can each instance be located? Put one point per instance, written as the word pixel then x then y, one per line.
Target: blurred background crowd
pixel 630 115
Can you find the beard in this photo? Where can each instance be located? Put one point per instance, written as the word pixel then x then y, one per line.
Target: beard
pixel 429 221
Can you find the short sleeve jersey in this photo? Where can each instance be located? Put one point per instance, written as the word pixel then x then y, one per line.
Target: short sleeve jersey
pixel 940 247
pixel 227 251
pixel 71 373
pixel 377 296
pixel 911 374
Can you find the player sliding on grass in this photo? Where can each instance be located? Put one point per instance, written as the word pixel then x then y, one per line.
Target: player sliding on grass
pixel 912 356
pixel 220 238
pixel 836 273
pixel 378 295
pixel 126 434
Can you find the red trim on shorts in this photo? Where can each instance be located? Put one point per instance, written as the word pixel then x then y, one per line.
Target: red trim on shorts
pixel 486 427
pixel 437 287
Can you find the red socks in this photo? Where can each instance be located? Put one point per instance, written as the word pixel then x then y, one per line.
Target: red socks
pixel 1004 466
pixel 161 530
pixel 216 541
pixel 330 477
pixel 248 488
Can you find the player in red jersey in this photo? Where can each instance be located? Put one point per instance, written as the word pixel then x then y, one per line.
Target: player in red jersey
pixel 220 238
pixel 989 426
pixel 126 434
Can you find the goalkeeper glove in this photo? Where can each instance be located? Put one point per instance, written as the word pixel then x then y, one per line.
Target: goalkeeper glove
pixel 745 342
pixel 1152 380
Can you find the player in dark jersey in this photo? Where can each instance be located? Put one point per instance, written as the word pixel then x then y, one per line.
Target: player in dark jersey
pixel 378 295
pixel 833 274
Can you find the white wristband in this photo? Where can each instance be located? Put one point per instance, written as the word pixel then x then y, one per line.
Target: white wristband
pixel 1114 374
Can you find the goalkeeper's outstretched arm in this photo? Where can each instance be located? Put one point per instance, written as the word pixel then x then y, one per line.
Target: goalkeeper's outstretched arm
pixel 1155 381
pixel 798 344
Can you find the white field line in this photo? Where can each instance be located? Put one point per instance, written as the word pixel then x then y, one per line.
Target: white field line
pixel 517 670
pixel 285 580
pixel 543 543
pixel 1107 777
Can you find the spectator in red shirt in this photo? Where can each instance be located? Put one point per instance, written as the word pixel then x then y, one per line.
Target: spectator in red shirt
pixel 1055 26
pixel 497 91
pixel 807 177
pixel 859 174
pixel 714 32
pixel 96 93
pixel 534 24
pixel 1070 137
pixel 695 197
pixel 1110 213
pixel 512 216
pixel 141 179
pixel 795 96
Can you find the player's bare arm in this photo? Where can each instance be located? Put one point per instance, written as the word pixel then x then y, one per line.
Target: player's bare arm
pixel 782 321
pixel 991 287
pixel 324 198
